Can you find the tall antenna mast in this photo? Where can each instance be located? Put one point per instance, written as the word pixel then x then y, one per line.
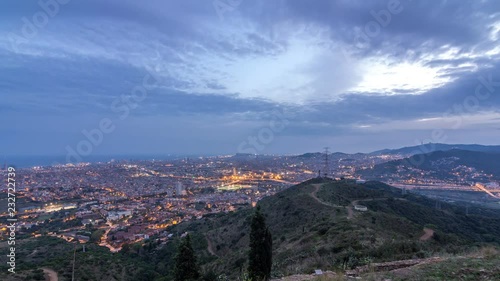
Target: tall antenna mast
pixel 326 169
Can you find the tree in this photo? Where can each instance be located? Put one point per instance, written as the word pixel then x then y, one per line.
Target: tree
pixel 210 276
pixel 261 244
pixel 186 268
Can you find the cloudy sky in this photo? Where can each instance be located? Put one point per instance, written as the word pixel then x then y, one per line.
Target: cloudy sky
pixel 227 76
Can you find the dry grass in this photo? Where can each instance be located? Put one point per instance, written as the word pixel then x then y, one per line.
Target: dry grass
pixel 489 252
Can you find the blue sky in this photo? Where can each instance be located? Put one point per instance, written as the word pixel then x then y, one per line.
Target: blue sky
pixel 208 76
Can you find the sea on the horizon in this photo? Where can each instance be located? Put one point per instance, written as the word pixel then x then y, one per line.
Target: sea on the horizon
pixel 34 161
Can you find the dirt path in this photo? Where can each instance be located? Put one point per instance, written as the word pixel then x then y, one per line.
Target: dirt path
pixel 51 274
pixel 427 235
pixel 317 186
pixel 315 197
pixel 33 253
pixel 350 207
pixel 315 191
pixel 210 247
pixel 350 211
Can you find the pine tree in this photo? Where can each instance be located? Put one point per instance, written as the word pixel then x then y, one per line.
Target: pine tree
pixel 261 244
pixel 186 268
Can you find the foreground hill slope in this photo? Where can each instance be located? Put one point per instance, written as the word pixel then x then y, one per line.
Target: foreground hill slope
pixel 315 225
pixel 483 264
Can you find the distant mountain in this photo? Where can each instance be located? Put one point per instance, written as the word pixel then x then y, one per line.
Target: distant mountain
pixel 455 164
pixel 431 147
pixel 409 150
pixel 320 154
pixel 310 155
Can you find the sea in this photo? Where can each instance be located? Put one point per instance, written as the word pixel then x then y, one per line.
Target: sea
pixel 37 161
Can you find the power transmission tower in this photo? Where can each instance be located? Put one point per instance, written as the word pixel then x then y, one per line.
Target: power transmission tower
pixel 326 170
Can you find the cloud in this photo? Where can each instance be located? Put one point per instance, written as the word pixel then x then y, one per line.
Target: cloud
pixel 260 56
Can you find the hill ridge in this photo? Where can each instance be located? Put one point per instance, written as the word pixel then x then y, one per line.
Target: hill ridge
pixel 312 228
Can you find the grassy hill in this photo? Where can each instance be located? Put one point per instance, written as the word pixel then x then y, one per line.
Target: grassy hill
pixel 314 226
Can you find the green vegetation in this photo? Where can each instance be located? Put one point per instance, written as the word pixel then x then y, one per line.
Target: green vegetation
pixel 186 268
pixel 313 226
pixel 96 235
pixel 310 234
pixel 261 247
pixel 483 264
pixel 96 263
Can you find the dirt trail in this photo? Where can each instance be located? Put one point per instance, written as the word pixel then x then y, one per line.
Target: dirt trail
pixel 350 207
pixel 427 235
pixel 315 197
pixel 210 247
pixel 315 191
pixel 51 274
pixel 350 211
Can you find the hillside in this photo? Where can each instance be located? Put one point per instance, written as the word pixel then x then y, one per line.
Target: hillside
pixel 96 263
pixel 314 226
pixel 452 165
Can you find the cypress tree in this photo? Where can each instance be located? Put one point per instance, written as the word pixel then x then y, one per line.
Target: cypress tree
pixel 261 244
pixel 186 268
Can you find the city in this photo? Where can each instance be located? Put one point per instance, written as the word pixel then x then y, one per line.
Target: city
pixel 124 202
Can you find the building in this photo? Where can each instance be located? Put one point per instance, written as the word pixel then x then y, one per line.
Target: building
pixel 360 208
pixel 179 189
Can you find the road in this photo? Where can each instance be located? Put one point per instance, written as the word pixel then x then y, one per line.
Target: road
pixel 104 238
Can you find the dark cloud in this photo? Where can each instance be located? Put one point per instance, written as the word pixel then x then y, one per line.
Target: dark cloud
pixel 95 52
pixel 460 23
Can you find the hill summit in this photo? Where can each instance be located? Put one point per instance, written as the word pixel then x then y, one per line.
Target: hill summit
pixel 341 225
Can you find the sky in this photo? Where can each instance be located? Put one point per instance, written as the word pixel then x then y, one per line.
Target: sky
pixel 82 78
